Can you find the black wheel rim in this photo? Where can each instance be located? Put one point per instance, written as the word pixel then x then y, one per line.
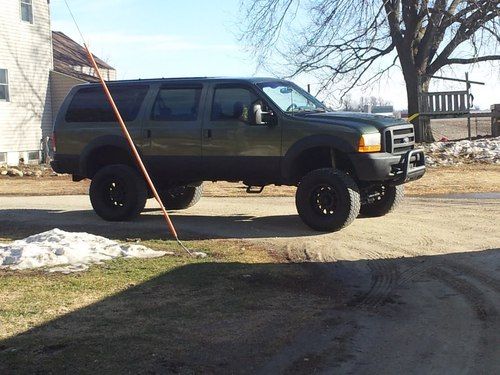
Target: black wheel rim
pixel 324 200
pixel 114 193
pixel 382 194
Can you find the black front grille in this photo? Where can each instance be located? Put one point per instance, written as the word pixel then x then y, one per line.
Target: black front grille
pixel 399 139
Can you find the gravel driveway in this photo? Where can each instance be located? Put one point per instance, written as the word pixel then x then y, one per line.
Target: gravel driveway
pixel 421 286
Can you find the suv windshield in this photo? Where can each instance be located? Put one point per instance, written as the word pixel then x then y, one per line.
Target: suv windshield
pixel 291 98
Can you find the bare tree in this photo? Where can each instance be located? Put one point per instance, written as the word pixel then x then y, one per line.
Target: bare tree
pixel 349 104
pixel 351 43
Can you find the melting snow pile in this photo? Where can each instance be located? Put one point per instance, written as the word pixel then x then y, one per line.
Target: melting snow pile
pixel 59 251
pixel 446 153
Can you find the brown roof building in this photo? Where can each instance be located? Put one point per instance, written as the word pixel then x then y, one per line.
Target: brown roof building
pixel 71 58
pixel 71 67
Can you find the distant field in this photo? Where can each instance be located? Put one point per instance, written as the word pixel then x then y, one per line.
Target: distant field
pixel 456 128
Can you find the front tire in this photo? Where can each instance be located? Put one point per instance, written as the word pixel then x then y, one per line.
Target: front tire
pixel 118 193
pixel 181 197
pixel 327 200
pixel 390 197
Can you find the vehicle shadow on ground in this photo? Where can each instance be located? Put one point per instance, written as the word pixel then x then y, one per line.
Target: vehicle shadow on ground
pixel 16 223
pixel 277 318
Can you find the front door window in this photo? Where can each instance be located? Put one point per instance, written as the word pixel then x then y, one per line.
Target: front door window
pixel 232 104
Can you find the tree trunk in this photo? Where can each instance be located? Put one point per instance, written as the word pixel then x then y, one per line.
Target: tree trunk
pixel 422 124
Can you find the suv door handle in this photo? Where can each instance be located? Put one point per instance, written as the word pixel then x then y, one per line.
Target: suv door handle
pixel 207 133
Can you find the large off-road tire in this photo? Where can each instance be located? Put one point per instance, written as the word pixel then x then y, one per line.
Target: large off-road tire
pixel 327 200
pixel 390 198
pixel 181 197
pixel 118 193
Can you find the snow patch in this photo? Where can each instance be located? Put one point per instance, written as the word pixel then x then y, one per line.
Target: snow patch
pixel 60 251
pixel 485 150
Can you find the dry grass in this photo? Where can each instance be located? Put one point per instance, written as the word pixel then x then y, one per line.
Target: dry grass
pixel 466 178
pixel 470 178
pixel 456 128
pixel 48 185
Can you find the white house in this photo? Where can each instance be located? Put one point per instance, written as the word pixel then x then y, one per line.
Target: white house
pixel 25 65
pixel 37 69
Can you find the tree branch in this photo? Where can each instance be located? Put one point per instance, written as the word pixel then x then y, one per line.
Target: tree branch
pixel 473 60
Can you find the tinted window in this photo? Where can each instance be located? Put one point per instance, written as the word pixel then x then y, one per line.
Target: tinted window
pixel 232 104
pixel 177 104
pixel 90 104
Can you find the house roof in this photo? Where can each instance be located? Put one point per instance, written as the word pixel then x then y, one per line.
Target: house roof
pixel 68 54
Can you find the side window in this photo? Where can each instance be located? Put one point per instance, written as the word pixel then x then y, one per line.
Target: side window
pixel 27 10
pixel 90 104
pixel 232 103
pixel 4 85
pixel 177 104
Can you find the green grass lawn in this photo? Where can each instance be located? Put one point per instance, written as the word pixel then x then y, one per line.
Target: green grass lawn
pixel 170 314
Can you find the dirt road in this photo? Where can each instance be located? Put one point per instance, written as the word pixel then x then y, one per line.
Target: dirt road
pixel 420 287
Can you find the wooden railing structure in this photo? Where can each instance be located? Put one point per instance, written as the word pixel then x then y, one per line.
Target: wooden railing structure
pixel 444 104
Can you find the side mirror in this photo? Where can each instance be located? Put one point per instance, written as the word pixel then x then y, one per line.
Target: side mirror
pixel 261 117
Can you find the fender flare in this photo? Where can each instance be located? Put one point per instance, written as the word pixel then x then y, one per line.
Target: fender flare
pixel 312 142
pixel 117 141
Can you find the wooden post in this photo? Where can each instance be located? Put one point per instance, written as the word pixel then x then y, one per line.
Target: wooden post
pixel 495 120
pixel 467 100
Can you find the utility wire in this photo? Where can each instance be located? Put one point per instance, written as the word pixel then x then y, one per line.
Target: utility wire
pixel 119 118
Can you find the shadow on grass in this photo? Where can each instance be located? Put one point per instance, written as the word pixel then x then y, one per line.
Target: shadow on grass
pixel 207 318
pixel 241 318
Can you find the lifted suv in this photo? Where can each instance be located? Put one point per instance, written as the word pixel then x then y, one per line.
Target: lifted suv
pixel 260 131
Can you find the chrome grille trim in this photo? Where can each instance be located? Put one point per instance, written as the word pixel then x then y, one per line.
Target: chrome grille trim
pixel 399 139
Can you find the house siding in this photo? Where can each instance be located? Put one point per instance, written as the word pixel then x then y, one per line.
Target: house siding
pixel 60 85
pixel 26 52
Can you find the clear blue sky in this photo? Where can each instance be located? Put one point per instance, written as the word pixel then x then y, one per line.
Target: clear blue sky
pixel 166 38
pixel 156 38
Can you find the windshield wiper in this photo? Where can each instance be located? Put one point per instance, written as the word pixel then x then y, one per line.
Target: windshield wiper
pixel 308 110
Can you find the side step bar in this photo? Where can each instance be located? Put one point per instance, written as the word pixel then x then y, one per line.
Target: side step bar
pixel 255 189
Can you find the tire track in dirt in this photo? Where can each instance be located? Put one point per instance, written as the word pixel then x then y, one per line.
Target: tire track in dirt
pixel 385 276
pixel 482 307
pixel 467 270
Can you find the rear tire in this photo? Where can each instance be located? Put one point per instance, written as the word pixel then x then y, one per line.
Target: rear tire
pixel 327 200
pixel 118 193
pixel 391 197
pixel 181 197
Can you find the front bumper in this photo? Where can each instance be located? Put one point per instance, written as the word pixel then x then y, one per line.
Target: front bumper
pixel 395 169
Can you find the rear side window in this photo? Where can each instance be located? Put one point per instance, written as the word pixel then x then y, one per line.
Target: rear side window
pixel 90 104
pixel 177 104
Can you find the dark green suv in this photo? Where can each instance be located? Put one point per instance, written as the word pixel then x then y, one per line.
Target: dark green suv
pixel 260 131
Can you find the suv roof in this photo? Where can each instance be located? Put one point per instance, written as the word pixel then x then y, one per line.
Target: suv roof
pixel 197 79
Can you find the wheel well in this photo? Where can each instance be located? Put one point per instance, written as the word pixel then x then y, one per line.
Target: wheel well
pixel 107 155
pixel 319 157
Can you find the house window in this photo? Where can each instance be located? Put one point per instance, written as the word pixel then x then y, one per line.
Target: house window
pixel 4 85
pixel 33 156
pixel 27 10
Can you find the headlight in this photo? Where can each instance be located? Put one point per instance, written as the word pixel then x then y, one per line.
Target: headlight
pixel 369 143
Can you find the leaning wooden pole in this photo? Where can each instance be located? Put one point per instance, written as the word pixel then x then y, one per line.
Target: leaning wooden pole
pixel 133 148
